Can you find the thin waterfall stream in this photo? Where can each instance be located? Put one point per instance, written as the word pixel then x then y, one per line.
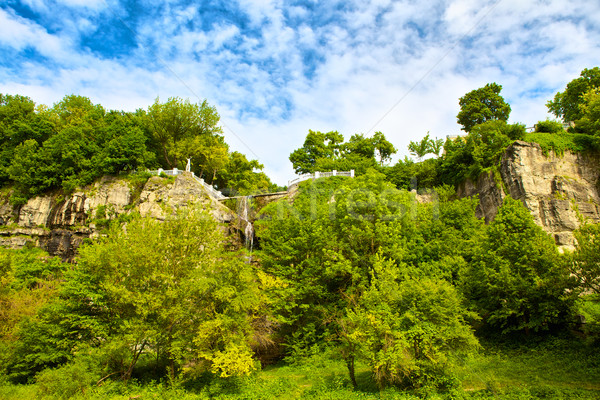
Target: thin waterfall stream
pixel 244 204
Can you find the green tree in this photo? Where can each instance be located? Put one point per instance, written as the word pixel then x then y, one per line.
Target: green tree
pixel 317 145
pixel 468 156
pixel 29 282
pixel 177 120
pixel 481 105
pixel 122 146
pixel 548 126
pixel 425 146
pixel 409 331
pixel 590 113
pixel 165 292
pixel 515 279
pixel 567 104
pixel 384 148
pixel 209 155
pixel 20 121
pixel 584 262
pixel 176 292
pixel 240 176
pixel 328 152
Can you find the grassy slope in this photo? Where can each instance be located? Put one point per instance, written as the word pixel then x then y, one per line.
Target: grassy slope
pixel 556 369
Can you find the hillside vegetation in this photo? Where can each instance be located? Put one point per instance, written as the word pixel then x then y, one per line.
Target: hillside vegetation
pixel 356 288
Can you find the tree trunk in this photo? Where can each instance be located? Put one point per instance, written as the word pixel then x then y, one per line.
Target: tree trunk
pixel 350 365
pixel 136 355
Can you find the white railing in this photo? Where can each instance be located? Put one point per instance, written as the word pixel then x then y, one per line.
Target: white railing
pixel 174 172
pixel 318 174
pixel 219 196
pixel 215 193
pixel 168 172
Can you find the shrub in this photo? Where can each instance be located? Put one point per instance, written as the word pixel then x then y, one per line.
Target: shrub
pixel 66 381
pixel 548 126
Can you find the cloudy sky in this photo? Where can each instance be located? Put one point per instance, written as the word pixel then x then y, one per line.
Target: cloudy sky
pixel 276 68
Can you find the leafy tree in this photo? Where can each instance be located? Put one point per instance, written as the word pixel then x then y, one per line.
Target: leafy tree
pixel 209 155
pixel 29 281
pixel 328 151
pixel 457 159
pixel 409 331
pixel 75 110
pixel 122 146
pixel 317 145
pixel 324 245
pixel 590 113
pixel 164 291
pixel 242 177
pixel 401 174
pixel 425 146
pixel 384 148
pixel 567 104
pixel 467 157
pixel 489 143
pixel 584 263
pixel 176 293
pixel 19 122
pixel 515 279
pixel 178 120
pixel 481 105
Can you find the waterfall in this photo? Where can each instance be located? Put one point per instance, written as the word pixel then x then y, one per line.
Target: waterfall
pixel 243 210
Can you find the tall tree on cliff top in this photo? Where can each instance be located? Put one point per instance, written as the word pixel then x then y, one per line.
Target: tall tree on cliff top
pixel 178 120
pixel 567 104
pixel 481 105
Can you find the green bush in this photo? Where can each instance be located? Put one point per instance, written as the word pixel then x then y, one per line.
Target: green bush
pixel 548 126
pixel 66 381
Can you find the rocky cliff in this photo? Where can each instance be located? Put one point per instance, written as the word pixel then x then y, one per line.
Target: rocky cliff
pixel 59 223
pixel 557 189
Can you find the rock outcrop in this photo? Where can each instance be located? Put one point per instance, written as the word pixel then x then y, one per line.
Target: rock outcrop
pixel 557 189
pixel 59 223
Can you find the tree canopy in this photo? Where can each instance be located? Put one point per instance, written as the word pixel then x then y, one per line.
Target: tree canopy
pixel 75 142
pixel 328 151
pixel 482 105
pixel 567 104
pixel 516 280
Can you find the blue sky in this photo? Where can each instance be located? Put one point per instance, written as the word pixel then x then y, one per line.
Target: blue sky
pixel 275 69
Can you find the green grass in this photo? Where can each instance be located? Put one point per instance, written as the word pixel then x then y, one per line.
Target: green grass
pixel 559 142
pixel 554 369
pixel 559 364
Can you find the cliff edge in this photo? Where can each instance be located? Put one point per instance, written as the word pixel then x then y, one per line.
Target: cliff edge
pixel 555 188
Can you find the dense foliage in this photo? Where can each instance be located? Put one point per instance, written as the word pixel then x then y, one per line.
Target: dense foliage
pixel 567 105
pixel 387 291
pixel 328 151
pixel 163 293
pixel 75 142
pixel 482 105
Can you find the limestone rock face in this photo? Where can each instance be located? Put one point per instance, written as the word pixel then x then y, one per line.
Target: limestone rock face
pixel 555 188
pixel 489 192
pixel 59 223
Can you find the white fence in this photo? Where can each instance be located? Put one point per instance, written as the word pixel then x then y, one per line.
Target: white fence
pixel 174 172
pixel 318 174
pixel 219 196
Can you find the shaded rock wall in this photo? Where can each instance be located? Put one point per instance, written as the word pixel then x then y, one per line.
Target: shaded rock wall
pixel 58 223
